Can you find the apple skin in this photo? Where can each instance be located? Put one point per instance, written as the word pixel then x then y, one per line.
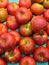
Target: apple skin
pixel 46 4
pixel 41 54
pixel 2 61
pixel 13 56
pixel 12 7
pixel 12 23
pixel 25 3
pixel 40 38
pixel 3 28
pixel 38 1
pixel 47 29
pixel 3 14
pixel 37 9
pixel 27 45
pixel 47 45
pixel 26 30
pixel 27 60
pixel 1 51
pixel 3 3
pixel 16 35
pixel 38 24
pixel 7 41
pixel 22 15
pixel 46 15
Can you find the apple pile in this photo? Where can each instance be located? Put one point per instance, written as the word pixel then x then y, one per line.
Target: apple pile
pixel 24 25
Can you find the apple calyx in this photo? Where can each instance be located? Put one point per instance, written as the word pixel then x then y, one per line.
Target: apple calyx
pixel 1 0
pixel 26 63
pixel 41 57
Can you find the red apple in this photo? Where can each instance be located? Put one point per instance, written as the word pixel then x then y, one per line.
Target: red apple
pixel 2 61
pixel 47 44
pixel 12 7
pixel 3 28
pixel 37 9
pixel 47 29
pixel 3 3
pixel 27 45
pixel 46 15
pixel 26 30
pixel 13 56
pixel 25 3
pixel 3 14
pixel 40 38
pixel 7 41
pixel 1 51
pixel 38 24
pixel 12 23
pixel 38 1
pixel 27 60
pixel 22 15
pixel 16 35
pixel 46 4
pixel 41 54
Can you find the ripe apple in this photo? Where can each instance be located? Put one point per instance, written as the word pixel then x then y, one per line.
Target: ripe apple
pixel 25 3
pixel 46 4
pixel 16 36
pixel 47 29
pixel 26 30
pixel 1 51
pixel 22 15
pixel 38 1
pixel 27 45
pixel 13 56
pixel 37 9
pixel 3 3
pixel 2 61
pixel 7 41
pixel 27 60
pixel 41 54
pixel 38 23
pixel 12 23
pixel 47 44
pixel 46 15
pixel 12 7
pixel 3 14
pixel 3 28
pixel 40 38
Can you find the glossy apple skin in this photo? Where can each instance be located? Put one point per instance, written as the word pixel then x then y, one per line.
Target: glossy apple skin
pixel 47 45
pixel 26 30
pixel 47 29
pixel 38 24
pixel 40 38
pixel 2 61
pixel 12 7
pixel 41 54
pixel 3 14
pixel 27 60
pixel 27 45
pixel 3 28
pixel 46 4
pixel 12 23
pixel 25 3
pixel 3 3
pixel 46 15
pixel 7 41
pixel 37 9
pixel 1 51
pixel 38 1
pixel 13 56
pixel 22 15
pixel 16 35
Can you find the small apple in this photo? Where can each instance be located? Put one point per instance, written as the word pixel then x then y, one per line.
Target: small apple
pixel 12 23
pixel 12 7
pixel 38 1
pixel 13 56
pixel 41 54
pixel 2 61
pixel 38 23
pixel 37 9
pixel 26 30
pixel 40 38
pixel 25 3
pixel 46 4
pixel 27 45
pixel 27 60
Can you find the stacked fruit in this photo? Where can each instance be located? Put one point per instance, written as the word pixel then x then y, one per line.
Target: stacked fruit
pixel 22 27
